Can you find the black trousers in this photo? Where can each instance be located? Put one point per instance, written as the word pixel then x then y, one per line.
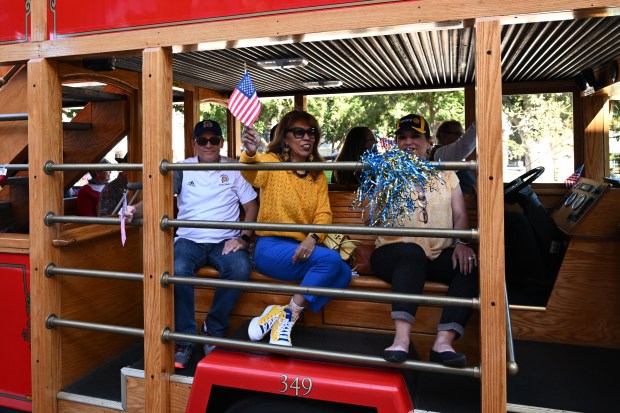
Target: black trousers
pixel 405 266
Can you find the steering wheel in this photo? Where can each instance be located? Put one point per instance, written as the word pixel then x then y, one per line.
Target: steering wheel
pixel 513 187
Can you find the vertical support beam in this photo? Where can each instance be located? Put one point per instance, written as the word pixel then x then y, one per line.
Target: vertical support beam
pixel 301 102
pixel 596 120
pixel 45 191
pixel 134 138
pixel 470 105
pixel 38 20
pixel 191 112
pixel 470 113
pixel 233 126
pixel 578 129
pixel 491 218
pixel 158 252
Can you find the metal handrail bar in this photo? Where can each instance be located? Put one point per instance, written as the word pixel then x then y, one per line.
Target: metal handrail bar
pixel 267 226
pixel 167 223
pixel 52 218
pixel 53 321
pixel 166 166
pixel 474 303
pixel 5 117
pixel 168 335
pixel 50 167
pixel 52 270
pixel 16 166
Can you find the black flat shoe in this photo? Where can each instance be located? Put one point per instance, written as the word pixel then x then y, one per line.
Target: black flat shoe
pixel 449 358
pixel 395 356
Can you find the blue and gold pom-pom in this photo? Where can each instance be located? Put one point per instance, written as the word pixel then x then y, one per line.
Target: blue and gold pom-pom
pixel 391 188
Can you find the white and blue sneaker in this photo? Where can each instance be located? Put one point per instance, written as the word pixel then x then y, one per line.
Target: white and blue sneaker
pixel 281 331
pixel 261 325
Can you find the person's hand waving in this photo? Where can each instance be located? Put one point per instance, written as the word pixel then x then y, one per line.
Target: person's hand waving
pixel 251 140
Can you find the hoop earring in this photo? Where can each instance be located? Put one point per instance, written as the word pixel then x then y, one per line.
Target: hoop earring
pixel 285 152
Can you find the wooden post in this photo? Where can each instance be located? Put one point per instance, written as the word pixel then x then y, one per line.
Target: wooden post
pixel 596 137
pixel 470 106
pixel 46 194
pixel 158 250
pixel 301 102
pixel 191 112
pixel 134 139
pixel 491 218
pixel 470 113
pixel 38 19
pixel 234 135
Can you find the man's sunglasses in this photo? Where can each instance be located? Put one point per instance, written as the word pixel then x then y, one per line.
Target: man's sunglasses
pixel 299 133
pixel 202 141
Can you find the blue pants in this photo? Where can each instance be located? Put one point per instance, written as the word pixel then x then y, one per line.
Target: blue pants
pixel 188 257
pixel 405 266
pixel 274 257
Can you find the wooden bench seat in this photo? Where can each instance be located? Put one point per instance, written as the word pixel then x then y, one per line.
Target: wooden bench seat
pixel 362 282
pixel 361 315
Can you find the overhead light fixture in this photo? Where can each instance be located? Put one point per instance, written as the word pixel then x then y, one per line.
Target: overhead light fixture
pixel 323 83
pixel 284 63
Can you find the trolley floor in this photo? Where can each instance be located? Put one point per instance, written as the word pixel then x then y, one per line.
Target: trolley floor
pixel 553 376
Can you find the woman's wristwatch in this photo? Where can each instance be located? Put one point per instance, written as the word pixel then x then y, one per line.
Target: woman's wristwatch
pixel 245 237
pixel 316 238
pixel 460 241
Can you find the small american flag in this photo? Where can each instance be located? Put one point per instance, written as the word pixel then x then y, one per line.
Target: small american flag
pixel 243 102
pixel 572 180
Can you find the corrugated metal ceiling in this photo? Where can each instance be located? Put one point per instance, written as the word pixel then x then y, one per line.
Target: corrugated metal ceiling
pixel 423 60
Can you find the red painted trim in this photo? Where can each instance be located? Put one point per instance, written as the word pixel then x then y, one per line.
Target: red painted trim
pixel 76 17
pixel 17 404
pixel 15 371
pixel 14 22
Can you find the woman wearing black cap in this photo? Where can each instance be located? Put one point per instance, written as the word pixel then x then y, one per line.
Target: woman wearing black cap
pixel 406 262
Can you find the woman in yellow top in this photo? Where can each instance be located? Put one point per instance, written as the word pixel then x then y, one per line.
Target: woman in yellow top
pixel 293 197
pixel 406 262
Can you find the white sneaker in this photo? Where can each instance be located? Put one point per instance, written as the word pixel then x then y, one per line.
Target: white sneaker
pixel 259 326
pixel 281 332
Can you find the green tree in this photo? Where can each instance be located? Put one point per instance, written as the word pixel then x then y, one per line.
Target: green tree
pixel 539 125
pixel 337 114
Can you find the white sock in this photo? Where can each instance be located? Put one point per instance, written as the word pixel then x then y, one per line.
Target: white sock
pixel 295 310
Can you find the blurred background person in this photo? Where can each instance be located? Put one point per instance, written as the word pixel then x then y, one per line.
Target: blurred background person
pixel 358 140
pixel 88 196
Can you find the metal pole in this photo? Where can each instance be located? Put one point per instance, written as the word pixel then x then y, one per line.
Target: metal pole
pixel 330 292
pixel 168 335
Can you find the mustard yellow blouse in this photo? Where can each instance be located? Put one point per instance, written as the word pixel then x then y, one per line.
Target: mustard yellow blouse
pixel 287 198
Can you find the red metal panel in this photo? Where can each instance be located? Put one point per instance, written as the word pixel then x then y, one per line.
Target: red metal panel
pixel 15 382
pixel 382 389
pixel 14 21
pixel 77 17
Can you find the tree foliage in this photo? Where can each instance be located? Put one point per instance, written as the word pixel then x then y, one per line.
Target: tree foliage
pixel 539 126
pixel 536 126
pixel 337 114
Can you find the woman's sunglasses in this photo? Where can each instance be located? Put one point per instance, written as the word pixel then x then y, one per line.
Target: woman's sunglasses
pixel 202 141
pixel 299 133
